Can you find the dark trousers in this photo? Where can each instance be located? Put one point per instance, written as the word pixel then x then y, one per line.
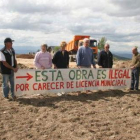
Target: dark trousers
pixel 135 78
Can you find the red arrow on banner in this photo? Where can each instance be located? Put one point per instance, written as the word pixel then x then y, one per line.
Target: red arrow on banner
pixel 28 77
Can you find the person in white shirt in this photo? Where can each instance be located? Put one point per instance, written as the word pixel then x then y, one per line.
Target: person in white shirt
pixel 2 57
pixel 8 66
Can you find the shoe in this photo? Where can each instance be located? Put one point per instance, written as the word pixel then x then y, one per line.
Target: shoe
pixel 59 94
pixel 131 88
pixel 14 98
pixel 87 91
pixel 6 98
pixel 137 89
pixel 78 93
pixel 62 93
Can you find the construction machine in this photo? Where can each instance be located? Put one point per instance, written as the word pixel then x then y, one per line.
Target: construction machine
pixel 73 46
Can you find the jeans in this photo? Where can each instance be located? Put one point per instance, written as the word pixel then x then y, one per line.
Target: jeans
pixel 8 78
pixel 135 78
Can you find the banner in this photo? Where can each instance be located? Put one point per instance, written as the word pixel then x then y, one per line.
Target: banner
pixel 33 81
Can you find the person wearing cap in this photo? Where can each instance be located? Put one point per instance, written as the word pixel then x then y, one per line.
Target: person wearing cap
pixel 135 66
pixel 43 58
pixel 8 65
pixel 105 58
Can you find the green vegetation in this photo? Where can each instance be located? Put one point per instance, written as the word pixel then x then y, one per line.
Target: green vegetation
pixel 101 43
pixel 56 48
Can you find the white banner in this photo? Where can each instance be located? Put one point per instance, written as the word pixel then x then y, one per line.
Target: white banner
pixel 32 81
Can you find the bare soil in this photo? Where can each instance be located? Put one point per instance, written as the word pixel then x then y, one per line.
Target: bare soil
pixel 25 56
pixel 100 115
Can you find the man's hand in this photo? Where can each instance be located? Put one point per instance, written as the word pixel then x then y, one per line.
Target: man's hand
pixel 15 69
pixel 133 67
pixel 78 67
pixel 94 66
pixel 55 67
pixel 100 67
pixel 42 67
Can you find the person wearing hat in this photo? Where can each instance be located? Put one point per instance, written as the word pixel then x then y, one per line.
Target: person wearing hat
pixel 8 66
pixel 135 66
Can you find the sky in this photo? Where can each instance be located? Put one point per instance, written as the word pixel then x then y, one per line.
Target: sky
pixel 34 22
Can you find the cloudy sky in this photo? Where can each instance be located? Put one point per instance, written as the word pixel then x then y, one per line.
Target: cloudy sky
pixel 34 22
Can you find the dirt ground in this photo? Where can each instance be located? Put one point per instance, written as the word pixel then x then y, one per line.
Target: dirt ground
pixel 100 115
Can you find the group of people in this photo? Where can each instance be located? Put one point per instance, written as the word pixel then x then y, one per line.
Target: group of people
pixel 44 60
pixel 60 60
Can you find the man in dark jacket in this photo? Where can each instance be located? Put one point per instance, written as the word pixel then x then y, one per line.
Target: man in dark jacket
pixel 105 58
pixel 8 65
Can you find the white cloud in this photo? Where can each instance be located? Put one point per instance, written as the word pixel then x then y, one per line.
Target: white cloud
pixel 33 22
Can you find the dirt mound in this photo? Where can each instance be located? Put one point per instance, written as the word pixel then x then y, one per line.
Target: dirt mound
pixel 25 56
pixel 108 115
pixel 122 64
pixel 22 66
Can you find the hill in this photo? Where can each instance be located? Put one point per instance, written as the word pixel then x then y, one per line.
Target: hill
pixel 116 57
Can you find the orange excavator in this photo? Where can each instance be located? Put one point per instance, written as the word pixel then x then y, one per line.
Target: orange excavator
pixel 73 45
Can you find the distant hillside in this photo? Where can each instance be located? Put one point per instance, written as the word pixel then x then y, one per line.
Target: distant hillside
pixel 116 57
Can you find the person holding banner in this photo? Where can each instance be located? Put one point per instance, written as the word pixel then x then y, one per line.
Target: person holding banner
pixel 8 67
pixel 85 56
pixel 43 58
pixel 135 66
pixel 61 59
pixel 105 58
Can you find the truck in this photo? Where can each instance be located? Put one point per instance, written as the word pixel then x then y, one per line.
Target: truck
pixel 73 46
